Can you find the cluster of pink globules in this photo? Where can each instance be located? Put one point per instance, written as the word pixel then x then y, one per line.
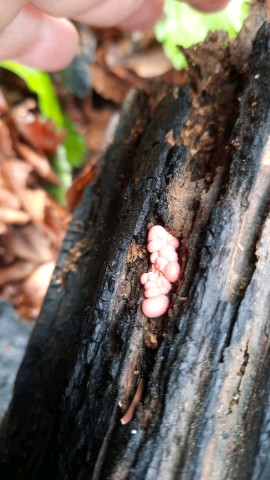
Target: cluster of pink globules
pixel 164 271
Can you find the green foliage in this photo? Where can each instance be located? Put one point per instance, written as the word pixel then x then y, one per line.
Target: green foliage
pixel 74 143
pixel 184 26
pixel 63 170
pixel 40 84
pixel 71 153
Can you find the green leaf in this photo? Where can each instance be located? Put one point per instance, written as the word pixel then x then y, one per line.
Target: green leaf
pixel 184 26
pixel 63 170
pixel 75 144
pixel 72 152
pixel 40 84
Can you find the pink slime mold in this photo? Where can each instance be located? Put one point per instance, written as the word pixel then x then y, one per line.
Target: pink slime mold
pixel 165 269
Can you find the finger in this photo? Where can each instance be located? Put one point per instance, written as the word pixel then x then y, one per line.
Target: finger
pixel 148 14
pixel 39 41
pixel 65 8
pixel 208 6
pixel 7 14
pixel 110 13
pixel 104 13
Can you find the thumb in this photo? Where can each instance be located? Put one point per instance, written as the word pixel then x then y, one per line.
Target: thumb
pixel 38 40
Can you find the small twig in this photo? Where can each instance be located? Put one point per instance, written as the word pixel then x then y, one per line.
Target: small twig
pixel 132 407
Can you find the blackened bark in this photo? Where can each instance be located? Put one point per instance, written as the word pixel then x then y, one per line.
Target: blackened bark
pixel 199 164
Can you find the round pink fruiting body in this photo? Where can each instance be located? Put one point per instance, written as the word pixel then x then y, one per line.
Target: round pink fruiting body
pixel 152 276
pixel 169 247
pixel 157 232
pixel 172 271
pixel 152 292
pixel 172 241
pixel 155 307
pixel 158 286
pixel 150 285
pixel 160 264
pixel 153 257
pixel 144 278
pixel 154 245
pixel 165 269
pixel 148 277
pixel 169 255
pixel 163 284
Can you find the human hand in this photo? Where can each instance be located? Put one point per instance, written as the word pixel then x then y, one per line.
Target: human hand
pixel 37 34
pixel 208 5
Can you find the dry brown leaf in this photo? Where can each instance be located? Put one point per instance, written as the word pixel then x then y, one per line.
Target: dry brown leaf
pixel 148 63
pixel 107 84
pixel 6 149
pixel 15 272
pixel 95 137
pixel 97 122
pixel 40 133
pixel 34 202
pixel 60 211
pixel 10 292
pixel 28 296
pixel 3 228
pixel 74 193
pixel 32 225
pixel 39 162
pixel 16 173
pixel 56 218
pixel 36 285
pixel 13 217
pixel 29 243
pixel 4 107
pixel 9 199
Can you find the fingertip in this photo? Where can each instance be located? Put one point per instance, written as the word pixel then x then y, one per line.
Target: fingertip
pixel 53 48
pixel 208 6
pixel 146 17
pixel 155 307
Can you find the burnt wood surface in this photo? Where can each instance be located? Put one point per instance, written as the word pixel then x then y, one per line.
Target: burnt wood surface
pixel 197 161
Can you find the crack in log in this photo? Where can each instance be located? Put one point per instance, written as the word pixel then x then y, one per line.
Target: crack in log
pixel 236 396
pixel 243 257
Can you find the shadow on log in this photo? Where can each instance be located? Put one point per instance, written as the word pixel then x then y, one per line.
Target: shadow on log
pixel 197 161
